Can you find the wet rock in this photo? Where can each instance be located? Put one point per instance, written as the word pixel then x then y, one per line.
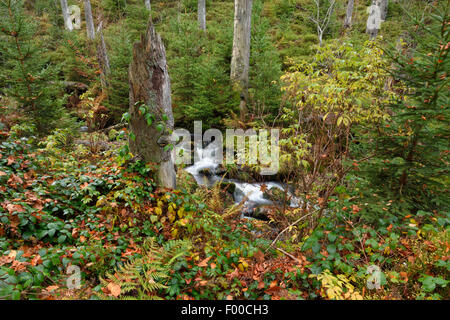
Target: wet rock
pixel 221 170
pixel 230 187
pixel 206 172
pixel 186 180
pixel 274 194
pixel 259 213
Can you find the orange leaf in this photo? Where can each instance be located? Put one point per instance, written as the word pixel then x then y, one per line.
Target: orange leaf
pixel 36 260
pixel 355 208
pixel 114 289
pixel 10 160
pixel 404 275
pixel 204 262
pixel 51 288
pixel 259 256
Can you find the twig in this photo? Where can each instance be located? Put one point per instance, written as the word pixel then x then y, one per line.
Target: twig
pixel 288 227
pixel 289 255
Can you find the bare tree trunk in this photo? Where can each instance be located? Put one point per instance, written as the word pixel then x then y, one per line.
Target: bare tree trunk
pixel 384 9
pixel 374 19
pixel 150 90
pixel 102 57
pixel 240 61
pixel 89 20
pixel 202 14
pixel 322 23
pixel 348 17
pixel 66 15
pixel 148 5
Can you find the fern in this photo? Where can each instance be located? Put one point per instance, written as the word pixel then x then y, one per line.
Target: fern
pixel 144 277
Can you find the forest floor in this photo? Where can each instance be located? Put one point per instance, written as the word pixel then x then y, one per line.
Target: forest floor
pixel 68 209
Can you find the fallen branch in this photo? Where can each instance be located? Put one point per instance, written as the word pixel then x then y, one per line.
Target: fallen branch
pixel 289 255
pixel 287 228
pixel 116 126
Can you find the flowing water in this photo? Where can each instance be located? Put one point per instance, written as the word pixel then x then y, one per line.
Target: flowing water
pixel 205 172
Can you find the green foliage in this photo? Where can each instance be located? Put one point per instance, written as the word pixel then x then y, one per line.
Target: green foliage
pixel 411 159
pixel 120 57
pixel 28 74
pixel 201 88
pixel 265 67
pixel 341 89
pixel 145 277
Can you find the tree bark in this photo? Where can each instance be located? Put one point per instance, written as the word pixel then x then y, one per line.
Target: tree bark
pixel 202 14
pixel 102 57
pixel 148 5
pixel 66 15
pixel 348 17
pixel 374 19
pixel 150 86
pixel 384 9
pixel 240 61
pixel 89 20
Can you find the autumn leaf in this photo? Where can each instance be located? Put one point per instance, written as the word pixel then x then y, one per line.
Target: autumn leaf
pixel 404 275
pixel 259 256
pixel 51 288
pixel 10 160
pixel 36 260
pixel 14 208
pixel 114 289
pixel 356 209
pixel 204 263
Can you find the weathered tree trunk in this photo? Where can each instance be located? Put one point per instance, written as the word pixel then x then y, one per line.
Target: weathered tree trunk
pixel 66 15
pixel 384 9
pixel 150 86
pixel 102 57
pixel 202 14
pixel 89 20
pixel 148 5
pixel 75 16
pixel 240 61
pixel 374 19
pixel 349 14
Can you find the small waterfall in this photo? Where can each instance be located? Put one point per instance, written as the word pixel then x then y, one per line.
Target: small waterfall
pixel 205 173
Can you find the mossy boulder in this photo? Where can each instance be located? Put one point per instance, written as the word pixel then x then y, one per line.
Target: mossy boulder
pixel 230 187
pixel 274 194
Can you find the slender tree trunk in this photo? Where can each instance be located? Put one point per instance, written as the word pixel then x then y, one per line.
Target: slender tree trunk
pixel 374 19
pixel 89 20
pixel 148 5
pixel 240 61
pixel 348 17
pixel 102 57
pixel 202 14
pixel 150 86
pixel 384 9
pixel 66 16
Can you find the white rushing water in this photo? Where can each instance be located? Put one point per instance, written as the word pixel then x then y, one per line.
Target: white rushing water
pixel 204 170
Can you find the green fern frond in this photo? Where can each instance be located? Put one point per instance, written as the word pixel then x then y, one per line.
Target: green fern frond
pixel 144 277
